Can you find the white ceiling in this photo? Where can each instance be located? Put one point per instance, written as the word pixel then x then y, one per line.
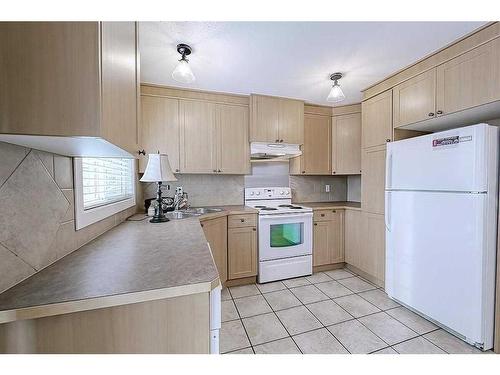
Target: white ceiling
pixel 290 59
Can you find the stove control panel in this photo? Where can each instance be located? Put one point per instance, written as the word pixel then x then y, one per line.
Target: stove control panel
pixel 268 193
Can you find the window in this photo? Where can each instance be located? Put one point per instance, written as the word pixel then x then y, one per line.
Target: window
pixel 103 187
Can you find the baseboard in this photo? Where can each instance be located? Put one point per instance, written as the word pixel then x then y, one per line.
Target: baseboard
pixel 242 281
pixel 365 275
pixel 328 267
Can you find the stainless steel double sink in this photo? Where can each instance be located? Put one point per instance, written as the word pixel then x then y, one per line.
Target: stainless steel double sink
pixel 191 212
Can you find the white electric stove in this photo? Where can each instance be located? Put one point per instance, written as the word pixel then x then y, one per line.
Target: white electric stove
pixel 285 234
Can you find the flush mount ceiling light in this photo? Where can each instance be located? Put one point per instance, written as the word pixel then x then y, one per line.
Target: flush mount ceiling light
pixel 336 94
pixel 182 72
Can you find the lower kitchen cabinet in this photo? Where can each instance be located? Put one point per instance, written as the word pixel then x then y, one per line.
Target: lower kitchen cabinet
pixel 372 254
pixel 216 234
pixel 242 252
pixel 328 237
pixel 373 181
pixel 352 240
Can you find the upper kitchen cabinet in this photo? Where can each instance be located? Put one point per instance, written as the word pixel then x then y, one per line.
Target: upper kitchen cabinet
pixel 346 143
pixel 415 99
pixel 469 80
pixel 198 140
pixel 276 120
pixel 159 129
pixel 201 132
pixel 233 153
pixel 377 120
pixel 70 79
pixel 315 158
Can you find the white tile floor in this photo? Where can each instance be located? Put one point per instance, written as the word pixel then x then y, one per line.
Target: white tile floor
pixel 328 312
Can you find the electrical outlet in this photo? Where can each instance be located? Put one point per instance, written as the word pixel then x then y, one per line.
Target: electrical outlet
pixel 327 188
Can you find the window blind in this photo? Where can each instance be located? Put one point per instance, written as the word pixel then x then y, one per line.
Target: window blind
pixel 106 180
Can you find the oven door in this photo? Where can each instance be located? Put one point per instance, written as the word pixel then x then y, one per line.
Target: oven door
pixel 285 236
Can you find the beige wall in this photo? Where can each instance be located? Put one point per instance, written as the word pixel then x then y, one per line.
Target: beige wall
pixel 37 214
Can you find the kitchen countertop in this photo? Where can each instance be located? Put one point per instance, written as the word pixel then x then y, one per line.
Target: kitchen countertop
pixel 134 262
pixel 331 205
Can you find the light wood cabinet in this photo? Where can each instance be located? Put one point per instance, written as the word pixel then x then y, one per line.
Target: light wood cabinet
pixel 233 152
pixel 242 252
pixel 70 79
pixel 276 120
pixel 352 241
pixel 373 181
pixel 216 234
pixel 415 99
pixel 315 158
pixel 372 255
pixel 198 137
pixel 328 237
pixel 346 144
pixel 159 129
pixel 470 79
pixel 377 120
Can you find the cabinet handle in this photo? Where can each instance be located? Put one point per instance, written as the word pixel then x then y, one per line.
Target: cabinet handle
pixel 431 114
pixel 177 170
pixel 219 171
pixel 334 172
pixel 254 229
pixel 315 223
pixel 388 140
pixel 303 171
pixel 215 170
pixel 201 225
pixel 141 152
pixel 439 112
pixel 242 220
pixel 277 141
pixel 334 211
pixel 322 215
pixel 281 141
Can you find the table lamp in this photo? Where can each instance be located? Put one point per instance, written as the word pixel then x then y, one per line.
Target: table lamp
pixel 158 170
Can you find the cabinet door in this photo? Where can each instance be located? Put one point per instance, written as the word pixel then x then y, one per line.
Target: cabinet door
pixel 336 245
pixel 415 99
pixel 372 255
pixel 216 234
pixel 321 242
pixel 264 118
pixel 346 144
pixel 159 129
pixel 120 86
pixel 316 148
pixel 377 120
pixel 198 151
pixel 233 147
pixel 470 79
pixel 242 252
pixel 352 241
pixel 373 181
pixel 291 121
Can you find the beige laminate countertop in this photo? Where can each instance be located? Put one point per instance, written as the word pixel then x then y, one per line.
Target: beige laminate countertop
pixel 331 205
pixel 134 262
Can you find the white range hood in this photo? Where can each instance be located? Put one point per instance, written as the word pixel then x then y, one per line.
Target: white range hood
pixel 270 151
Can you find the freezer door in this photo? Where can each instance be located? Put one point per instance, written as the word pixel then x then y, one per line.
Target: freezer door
pixel 440 260
pixel 453 160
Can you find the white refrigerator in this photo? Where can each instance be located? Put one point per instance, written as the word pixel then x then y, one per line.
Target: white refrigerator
pixel 441 228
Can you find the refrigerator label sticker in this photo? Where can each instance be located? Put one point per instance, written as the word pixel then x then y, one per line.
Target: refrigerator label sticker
pixel 448 141
pixel 466 138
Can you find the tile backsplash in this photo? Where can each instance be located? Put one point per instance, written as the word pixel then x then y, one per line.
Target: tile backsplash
pixel 37 213
pixel 312 188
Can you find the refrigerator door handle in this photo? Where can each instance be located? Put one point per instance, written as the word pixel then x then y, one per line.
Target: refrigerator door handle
pixel 388 171
pixel 387 215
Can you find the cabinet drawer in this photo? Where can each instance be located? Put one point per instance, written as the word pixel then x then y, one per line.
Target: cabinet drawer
pixel 324 215
pixel 242 220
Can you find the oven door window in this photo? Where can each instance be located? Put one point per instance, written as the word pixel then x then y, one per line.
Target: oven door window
pixel 286 235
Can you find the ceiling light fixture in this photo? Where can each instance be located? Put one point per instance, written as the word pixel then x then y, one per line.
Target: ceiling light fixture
pixel 182 72
pixel 336 94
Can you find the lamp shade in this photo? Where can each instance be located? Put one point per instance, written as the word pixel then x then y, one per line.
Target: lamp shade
pixel 182 72
pixel 158 169
pixel 336 94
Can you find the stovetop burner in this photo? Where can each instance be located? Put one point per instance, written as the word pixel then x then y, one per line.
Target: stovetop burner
pixel 285 205
pixel 290 206
pixel 268 208
pixel 296 208
pixel 260 206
